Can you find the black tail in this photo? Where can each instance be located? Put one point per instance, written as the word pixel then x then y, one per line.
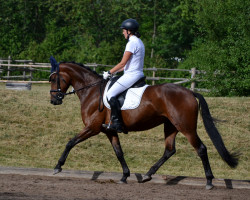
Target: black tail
pixel 230 159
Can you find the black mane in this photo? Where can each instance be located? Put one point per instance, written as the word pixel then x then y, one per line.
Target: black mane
pixel 81 65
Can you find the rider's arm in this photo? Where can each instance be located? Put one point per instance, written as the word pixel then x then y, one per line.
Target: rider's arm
pixel 120 66
pixel 120 70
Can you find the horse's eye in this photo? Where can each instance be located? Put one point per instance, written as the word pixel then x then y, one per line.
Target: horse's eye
pixel 52 80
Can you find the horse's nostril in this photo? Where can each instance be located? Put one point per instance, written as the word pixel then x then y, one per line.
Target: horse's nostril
pixel 53 102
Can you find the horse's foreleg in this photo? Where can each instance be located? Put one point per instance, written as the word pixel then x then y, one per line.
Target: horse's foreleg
pixel 64 155
pixel 114 140
pixel 85 134
pixel 170 134
pixel 167 154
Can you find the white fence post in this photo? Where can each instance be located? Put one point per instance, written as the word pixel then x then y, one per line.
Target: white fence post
pixel 24 73
pixel 193 72
pixel 30 63
pixel 154 69
pixel 9 61
pixel 1 67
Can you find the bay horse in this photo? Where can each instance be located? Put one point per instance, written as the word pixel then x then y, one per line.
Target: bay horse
pixel 174 106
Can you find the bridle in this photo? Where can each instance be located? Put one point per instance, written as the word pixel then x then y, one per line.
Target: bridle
pixel 60 95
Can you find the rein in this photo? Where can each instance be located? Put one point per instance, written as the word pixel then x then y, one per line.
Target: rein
pixel 85 87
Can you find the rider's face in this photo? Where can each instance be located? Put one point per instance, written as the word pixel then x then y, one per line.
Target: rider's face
pixel 125 33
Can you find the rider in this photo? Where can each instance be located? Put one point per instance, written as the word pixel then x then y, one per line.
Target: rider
pixel 132 65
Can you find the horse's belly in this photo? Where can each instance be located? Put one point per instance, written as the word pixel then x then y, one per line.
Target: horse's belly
pixel 142 125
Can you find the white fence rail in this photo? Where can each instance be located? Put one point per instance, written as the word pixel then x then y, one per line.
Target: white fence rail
pixel 28 67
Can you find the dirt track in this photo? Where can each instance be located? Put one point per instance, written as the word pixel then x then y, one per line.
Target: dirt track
pixel 27 187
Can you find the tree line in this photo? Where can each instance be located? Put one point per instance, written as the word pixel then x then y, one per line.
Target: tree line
pixel 207 34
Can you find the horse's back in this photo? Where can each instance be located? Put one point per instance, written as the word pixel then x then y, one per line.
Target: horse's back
pixel 171 93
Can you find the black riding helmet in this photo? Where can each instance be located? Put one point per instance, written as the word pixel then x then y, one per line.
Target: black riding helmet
pixel 132 25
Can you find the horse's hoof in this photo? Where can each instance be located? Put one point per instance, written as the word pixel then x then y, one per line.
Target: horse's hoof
pixel 122 182
pixel 209 187
pixel 146 178
pixel 56 171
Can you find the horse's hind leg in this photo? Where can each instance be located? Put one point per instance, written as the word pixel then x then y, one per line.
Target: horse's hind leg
pixel 201 150
pixel 170 134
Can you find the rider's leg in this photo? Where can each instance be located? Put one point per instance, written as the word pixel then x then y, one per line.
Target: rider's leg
pixel 119 86
pixel 116 118
pixel 122 84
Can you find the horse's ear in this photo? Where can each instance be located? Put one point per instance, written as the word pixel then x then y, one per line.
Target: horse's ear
pixel 54 64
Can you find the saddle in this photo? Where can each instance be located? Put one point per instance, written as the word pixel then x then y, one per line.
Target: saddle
pixel 121 97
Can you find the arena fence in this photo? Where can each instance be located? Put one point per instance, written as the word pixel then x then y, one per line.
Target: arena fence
pixel 27 68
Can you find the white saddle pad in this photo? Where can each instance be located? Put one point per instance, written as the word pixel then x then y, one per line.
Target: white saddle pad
pixel 132 99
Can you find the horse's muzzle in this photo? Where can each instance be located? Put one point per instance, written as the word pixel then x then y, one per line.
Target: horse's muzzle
pixel 56 99
pixel 56 102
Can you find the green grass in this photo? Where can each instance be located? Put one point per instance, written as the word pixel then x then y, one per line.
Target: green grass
pixel 33 133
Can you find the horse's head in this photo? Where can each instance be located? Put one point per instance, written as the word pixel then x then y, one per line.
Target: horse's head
pixel 59 83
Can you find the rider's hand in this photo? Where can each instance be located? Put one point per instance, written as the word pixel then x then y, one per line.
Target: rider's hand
pixel 106 75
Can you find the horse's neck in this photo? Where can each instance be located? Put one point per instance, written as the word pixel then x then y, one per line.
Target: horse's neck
pixel 83 81
pixel 81 77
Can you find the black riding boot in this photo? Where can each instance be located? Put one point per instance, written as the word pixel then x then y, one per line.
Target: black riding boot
pixel 116 118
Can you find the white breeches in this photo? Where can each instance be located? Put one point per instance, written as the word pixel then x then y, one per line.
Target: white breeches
pixel 123 83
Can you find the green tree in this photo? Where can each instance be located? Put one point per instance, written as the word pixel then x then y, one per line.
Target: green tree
pixel 207 34
pixel 174 31
pixel 21 22
pixel 222 46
